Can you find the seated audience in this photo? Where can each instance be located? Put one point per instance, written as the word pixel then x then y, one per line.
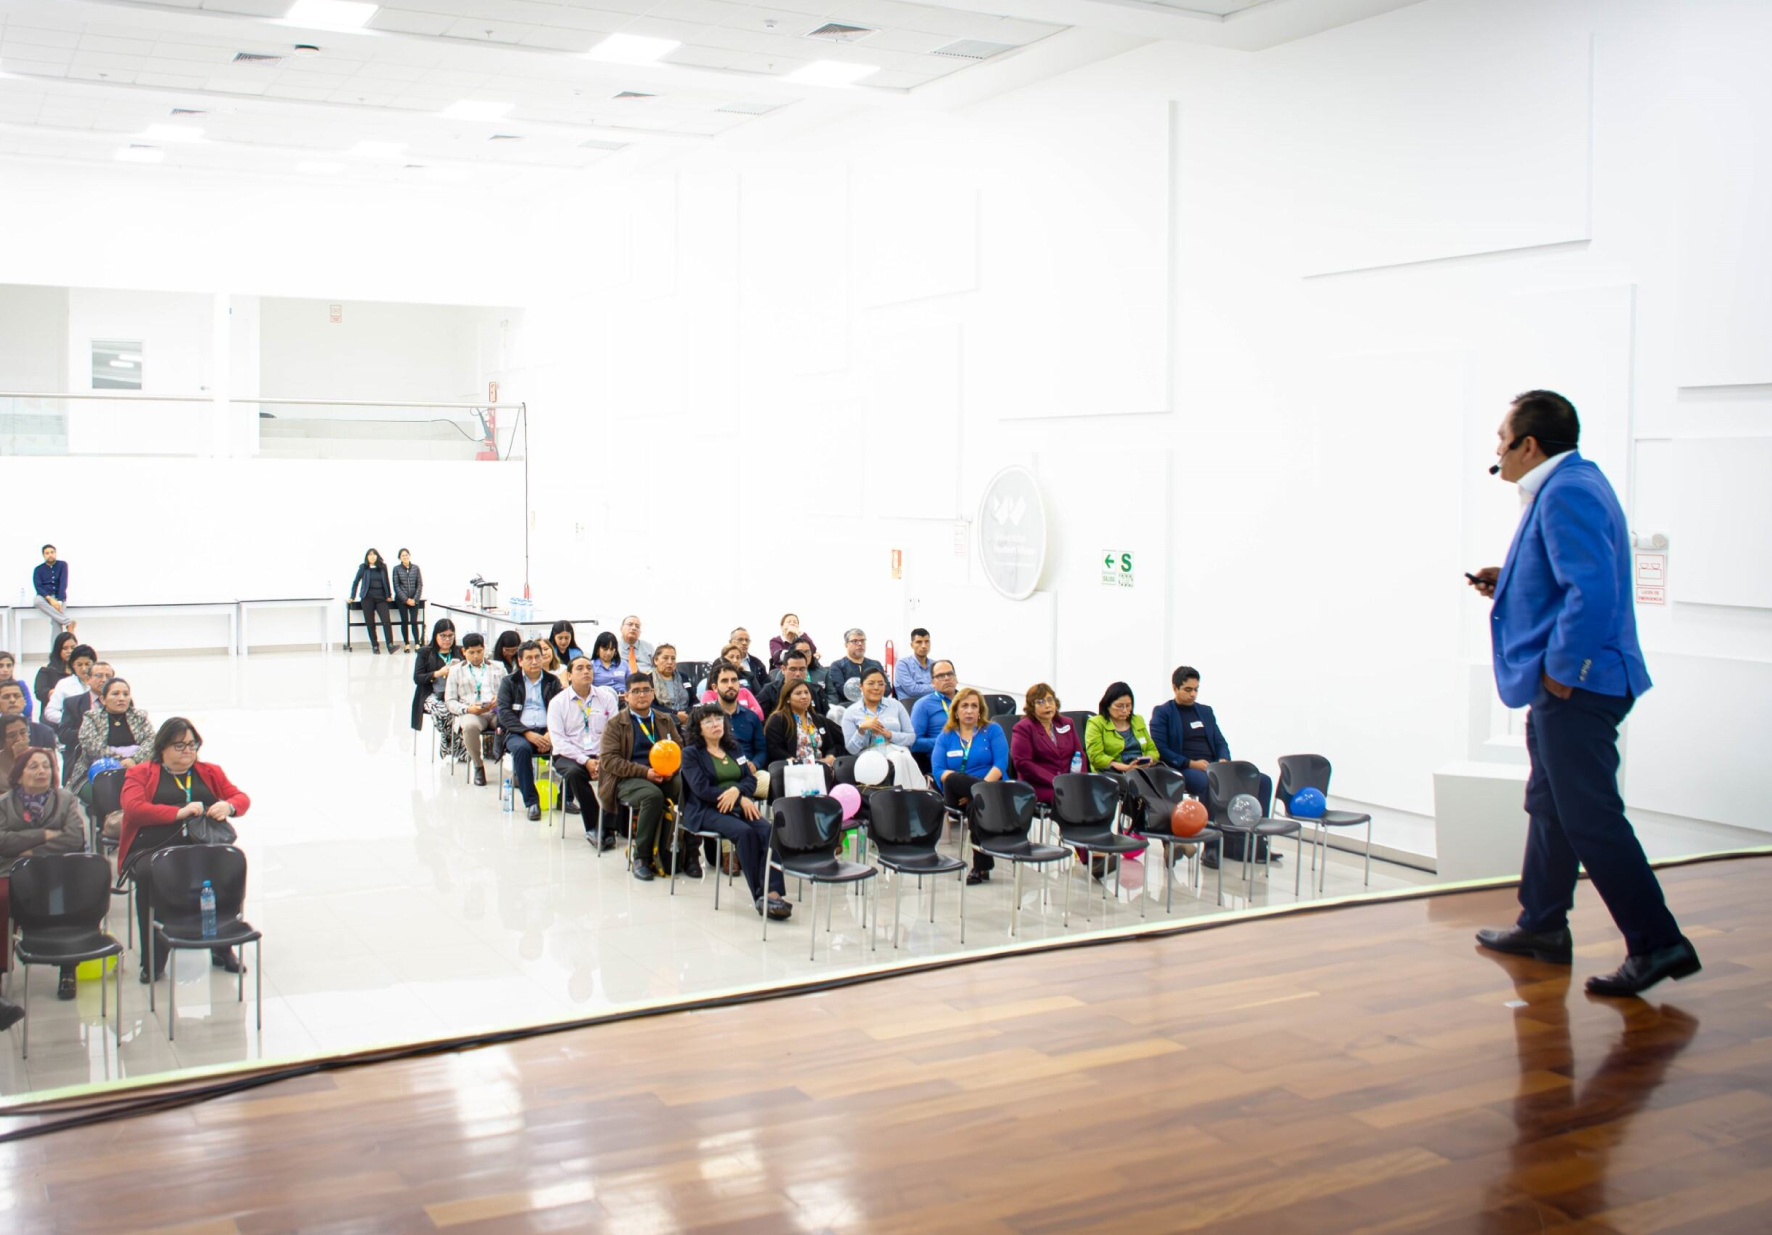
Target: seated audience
pixel 911 677
pixel 849 667
pixel 790 631
pixel 550 663
pixel 471 695
pixel 12 703
pixel 80 667
pixel 929 715
pixel 730 659
pixel 74 713
pixel 576 720
pixel 606 667
pixel 743 725
pixel 794 668
pixel 430 679
pixel 636 653
pixel 625 776
pixel 61 648
pixel 798 732
pixel 565 643
pixel 504 651
pixel 719 783
pixel 1044 744
pixel 37 816
pixel 877 721
pixel 15 740
pixel 116 729
pixel 752 671
pixel 671 686
pixel 1187 733
pixel 969 750
pixel 170 798
pixel 1116 739
pixel 7 664
pixel 523 719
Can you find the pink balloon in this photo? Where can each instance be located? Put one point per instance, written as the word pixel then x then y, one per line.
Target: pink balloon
pixel 850 797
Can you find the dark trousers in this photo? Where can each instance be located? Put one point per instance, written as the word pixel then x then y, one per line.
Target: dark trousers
pixel 956 789
pixel 371 610
pixel 648 801
pixel 1195 778
pixel 522 753
pixel 750 838
pixel 162 836
pixel 412 630
pixel 1578 820
pixel 577 779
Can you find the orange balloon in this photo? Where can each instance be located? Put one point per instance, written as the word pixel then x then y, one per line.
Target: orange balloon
pixel 1188 817
pixel 666 757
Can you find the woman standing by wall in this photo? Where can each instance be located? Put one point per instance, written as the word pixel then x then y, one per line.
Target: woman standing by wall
pixel 409 589
pixel 373 591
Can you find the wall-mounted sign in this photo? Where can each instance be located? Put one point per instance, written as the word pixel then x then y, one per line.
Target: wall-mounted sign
pixel 1116 568
pixel 1012 533
pixel 1651 578
pixel 898 563
pixel 336 312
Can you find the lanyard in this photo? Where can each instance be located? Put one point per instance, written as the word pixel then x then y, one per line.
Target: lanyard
pixel 966 746
pixel 479 676
pixel 184 784
pixel 644 727
pixel 584 706
pixel 947 707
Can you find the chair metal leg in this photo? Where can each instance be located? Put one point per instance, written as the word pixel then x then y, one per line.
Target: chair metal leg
pixel 1368 853
pixel 811 935
pixel 874 898
pixel 1066 876
pixel 768 866
pixel 1298 870
pixel 129 923
pixel 119 976
pixel 171 995
pixel 897 879
pixel 829 900
pixel 962 906
pixel 258 979
pixel 25 1003
pixel 719 861
pixel 1015 909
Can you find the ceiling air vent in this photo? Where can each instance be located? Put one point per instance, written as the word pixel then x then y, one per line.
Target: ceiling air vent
pixel 599 144
pixel 837 32
pixel 633 94
pixel 189 111
pixel 973 49
pixel 505 137
pixel 253 57
pixel 750 108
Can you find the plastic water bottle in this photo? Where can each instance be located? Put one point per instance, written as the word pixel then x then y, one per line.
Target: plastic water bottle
pixel 504 796
pixel 1077 762
pixel 207 900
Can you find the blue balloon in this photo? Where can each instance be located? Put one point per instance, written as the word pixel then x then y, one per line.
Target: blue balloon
pixel 1308 803
pixel 102 765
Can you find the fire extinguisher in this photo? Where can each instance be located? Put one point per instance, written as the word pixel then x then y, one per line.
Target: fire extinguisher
pixel 891 660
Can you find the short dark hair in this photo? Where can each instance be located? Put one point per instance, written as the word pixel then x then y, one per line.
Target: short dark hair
pixel 720 670
pixel 7 722
pixel 1115 692
pixel 473 639
pixel 1183 673
pixel 170 730
pixel 46 548
pixel 872 671
pixel 919 631
pixel 31 752
pixel 1548 418
pixel 1037 692
pixel 82 649
pixel 639 678
pixel 794 654
pixel 5 655
pixel 570 665
pixel 605 639
pixel 529 645
pixel 13 684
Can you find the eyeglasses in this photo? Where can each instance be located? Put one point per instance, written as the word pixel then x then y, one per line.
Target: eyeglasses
pixel 639 690
pixel 948 674
pixel 185 748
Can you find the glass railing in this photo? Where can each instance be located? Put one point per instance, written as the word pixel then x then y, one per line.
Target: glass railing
pixel 131 424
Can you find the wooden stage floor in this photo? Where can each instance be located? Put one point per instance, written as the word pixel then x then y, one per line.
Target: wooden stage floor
pixel 1362 1069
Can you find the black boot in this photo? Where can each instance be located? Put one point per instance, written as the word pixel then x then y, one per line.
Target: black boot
pixel 65 989
pixel 224 958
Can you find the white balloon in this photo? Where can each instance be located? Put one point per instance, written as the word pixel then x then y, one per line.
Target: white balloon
pixel 852 690
pixel 1244 810
pixel 871 768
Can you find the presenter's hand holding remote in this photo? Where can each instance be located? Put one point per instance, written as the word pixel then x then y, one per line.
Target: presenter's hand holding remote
pixel 1484 580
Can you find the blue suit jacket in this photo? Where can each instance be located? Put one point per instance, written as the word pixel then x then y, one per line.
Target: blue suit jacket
pixel 1166 732
pixel 1563 604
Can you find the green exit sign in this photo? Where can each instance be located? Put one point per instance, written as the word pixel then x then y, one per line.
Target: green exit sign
pixel 1116 568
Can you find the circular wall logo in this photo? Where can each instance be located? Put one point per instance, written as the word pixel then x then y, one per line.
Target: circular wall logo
pixel 1012 533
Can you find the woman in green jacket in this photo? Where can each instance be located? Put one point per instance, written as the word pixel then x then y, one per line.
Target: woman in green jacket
pixel 1116 739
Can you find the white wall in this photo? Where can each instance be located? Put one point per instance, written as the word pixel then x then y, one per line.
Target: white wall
pixel 1255 316
pixel 33 338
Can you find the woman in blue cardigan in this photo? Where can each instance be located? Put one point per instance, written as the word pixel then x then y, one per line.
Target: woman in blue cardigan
pixel 719 785
pixel 969 750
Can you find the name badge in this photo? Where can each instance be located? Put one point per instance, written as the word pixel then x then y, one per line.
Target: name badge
pixel 1198 724
pixel 956 754
pixel 1062 729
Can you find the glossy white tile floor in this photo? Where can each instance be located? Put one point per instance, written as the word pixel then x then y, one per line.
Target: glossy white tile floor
pixel 399 903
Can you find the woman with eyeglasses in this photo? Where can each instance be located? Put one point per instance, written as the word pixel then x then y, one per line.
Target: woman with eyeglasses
pixel 170 798
pixel 430 678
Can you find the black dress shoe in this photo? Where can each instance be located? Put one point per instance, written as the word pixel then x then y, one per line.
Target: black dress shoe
pixel 1557 947
pixel 534 813
pixel 572 808
pixel 480 776
pixel 224 958
pixel 10 1014
pixel 974 878
pixel 610 841
pixel 65 988
pixel 1639 973
pixel 690 869
pixel 643 871
pixel 375 648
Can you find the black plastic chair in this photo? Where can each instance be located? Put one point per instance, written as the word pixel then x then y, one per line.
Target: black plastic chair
pixel 59 904
pixel 176 876
pixel 843 773
pixel 808 832
pixel 906 827
pixel 1160 788
pixel 1003 813
pixel 1007 725
pixel 1312 772
pixel 1001 705
pixel 1080 720
pixel 1224 781
pixel 1085 806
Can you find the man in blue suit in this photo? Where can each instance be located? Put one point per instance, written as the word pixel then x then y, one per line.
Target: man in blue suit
pixel 1565 642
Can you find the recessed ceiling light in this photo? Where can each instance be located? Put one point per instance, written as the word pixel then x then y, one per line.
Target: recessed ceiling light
pixel 330 14
pixel 306 49
pixel 632 49
pixel 173 133
pixel 831 73
pixel 140 154
pixel 377 150
pixel 123 364
pixel 475 109
pixel 319 167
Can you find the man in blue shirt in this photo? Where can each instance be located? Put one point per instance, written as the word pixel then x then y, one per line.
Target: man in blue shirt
pixel 1565 641
pixel 523 700
pixel 50 581
pixel 930 715
pixel 911 676
pixel 743 724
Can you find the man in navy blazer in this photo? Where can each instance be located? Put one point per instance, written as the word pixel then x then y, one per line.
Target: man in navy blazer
pixel 1189 740
pixel 1565 642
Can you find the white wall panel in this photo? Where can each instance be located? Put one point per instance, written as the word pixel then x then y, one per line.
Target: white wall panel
pixel 911 380
pixel 1722 521
pixel 794 270
pixel 914 235
pixel 1696 743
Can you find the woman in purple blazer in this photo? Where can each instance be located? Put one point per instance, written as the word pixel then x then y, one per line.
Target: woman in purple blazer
pixel 1044 744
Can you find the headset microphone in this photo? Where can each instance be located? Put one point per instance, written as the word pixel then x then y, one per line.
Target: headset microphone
pixel 1496 470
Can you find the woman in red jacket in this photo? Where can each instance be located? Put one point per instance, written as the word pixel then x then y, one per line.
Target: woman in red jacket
pixel 163 796
pixel 1044 744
